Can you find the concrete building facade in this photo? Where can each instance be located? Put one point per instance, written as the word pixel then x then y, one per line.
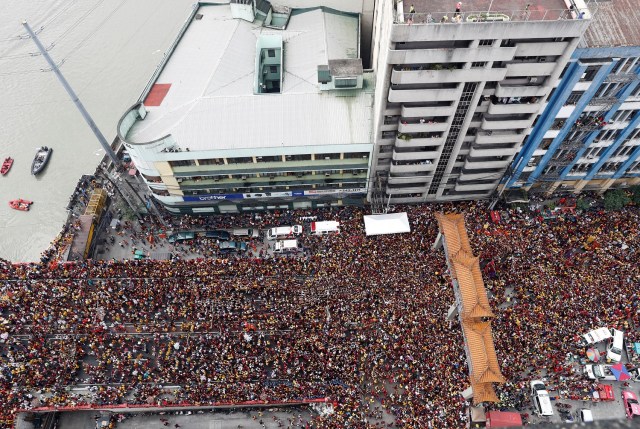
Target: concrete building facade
pixel 256 107
pixel 588 136
pixel 458 92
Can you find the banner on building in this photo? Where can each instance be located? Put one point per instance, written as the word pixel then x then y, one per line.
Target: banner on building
pixel 298 193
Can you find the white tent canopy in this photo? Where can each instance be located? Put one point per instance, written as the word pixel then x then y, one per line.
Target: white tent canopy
pixel 393 223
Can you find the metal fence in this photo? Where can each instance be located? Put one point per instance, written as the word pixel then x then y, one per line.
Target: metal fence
pixel 491 16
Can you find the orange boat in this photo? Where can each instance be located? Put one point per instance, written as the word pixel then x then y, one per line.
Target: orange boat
pixel 6 165
pixel 20 204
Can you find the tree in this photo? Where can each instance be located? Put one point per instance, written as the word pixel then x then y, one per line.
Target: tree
pixel 635 194
pixel 583 204
pixel 615 199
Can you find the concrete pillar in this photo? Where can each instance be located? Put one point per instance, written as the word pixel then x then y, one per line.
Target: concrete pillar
pixel 578 187
pixel 606 185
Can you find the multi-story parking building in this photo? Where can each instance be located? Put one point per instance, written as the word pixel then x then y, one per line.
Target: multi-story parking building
pixel 256 107
pixel 457 93
pixel 588 136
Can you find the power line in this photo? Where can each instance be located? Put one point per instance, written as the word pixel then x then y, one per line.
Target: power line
pixel 42 27
pixel 94 31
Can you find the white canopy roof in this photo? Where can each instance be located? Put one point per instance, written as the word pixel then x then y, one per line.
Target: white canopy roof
pixel 393 223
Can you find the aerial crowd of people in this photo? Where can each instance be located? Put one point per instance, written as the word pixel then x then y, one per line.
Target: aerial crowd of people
pixel 357 321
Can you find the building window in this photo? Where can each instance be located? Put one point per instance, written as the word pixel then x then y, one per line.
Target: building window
pixel 478 64
pixel 589 73
pixel 269 158
pixel 355 155
pixel 327 156
pixel 271 53
pixel 302 157
pixel 211 161
pixel 485 42
pixel 574 97
pixel 240 160
pixel 390 120
pixel 182 163
pixel 273 69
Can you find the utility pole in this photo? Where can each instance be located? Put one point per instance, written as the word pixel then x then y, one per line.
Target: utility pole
pixel 103 141
pixel 129 195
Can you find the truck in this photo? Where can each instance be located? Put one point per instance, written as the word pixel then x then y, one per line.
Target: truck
pixel 284 231
pixel 286 246
pixel 325 227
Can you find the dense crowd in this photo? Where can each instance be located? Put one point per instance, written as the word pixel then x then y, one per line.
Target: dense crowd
pixel 358 320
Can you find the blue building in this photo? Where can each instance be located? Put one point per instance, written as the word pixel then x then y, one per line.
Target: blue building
pixel 588 136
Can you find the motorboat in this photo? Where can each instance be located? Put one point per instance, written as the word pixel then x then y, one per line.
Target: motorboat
pixel 20 204
pixel 41 160
pixel 6 165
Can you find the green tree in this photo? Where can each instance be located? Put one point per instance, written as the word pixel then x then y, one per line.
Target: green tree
pixel 635 194
pixel 615 199
pixel 582 204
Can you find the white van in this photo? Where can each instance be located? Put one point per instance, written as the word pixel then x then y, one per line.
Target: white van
pixel 286 246
pixel 326 227
pixel 284 231
pixel 614 348
pixel 541 400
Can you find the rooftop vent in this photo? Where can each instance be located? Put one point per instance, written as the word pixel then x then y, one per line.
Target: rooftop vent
pixel 341 74
pixel 324 75
pixel 243 9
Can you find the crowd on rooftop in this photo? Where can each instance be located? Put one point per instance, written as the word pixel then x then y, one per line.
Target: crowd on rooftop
pixel 360 321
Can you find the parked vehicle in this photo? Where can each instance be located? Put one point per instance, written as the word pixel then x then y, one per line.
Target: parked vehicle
pixel 284 231
pixel 218 235
pixel 232 246
pixel 599 372
pixel 326 227
pixel 246 232
pixel 540 397
pixel 286 246
pixel 615 345
pixel 180 236
pixel 605 392
pixel 631 405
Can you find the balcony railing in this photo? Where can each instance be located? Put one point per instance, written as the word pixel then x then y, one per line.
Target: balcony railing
pixel 469 17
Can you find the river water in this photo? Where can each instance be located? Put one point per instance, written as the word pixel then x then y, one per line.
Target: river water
pixel 108 50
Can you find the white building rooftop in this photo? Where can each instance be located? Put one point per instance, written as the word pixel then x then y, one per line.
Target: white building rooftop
pixel 210 102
